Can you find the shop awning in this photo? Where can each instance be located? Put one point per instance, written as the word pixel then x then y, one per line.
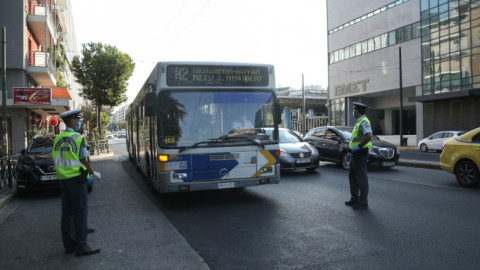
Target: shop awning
pixel 60 93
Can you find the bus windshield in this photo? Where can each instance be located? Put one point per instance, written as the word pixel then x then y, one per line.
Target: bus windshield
pixel 214 118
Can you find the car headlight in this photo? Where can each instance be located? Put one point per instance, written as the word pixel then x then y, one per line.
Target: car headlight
pixel 374 151
pixel 284 154
pixel 314 151
pixel 398 150
pixel 24 166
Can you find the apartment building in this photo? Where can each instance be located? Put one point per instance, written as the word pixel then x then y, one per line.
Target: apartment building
pixel 40 44
pixel 421 57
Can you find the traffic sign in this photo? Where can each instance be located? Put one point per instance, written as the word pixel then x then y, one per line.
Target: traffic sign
pixel 293 116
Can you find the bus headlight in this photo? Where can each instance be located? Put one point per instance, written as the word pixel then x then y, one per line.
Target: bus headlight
pixel 180 176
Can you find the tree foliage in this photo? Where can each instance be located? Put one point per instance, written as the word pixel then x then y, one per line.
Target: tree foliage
pixel 103 72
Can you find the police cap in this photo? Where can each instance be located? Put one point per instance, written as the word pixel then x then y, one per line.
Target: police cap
pixel 71 113
pixel 360 106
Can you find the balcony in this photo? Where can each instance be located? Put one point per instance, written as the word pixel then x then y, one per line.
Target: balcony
pixel 40 20
pixel 41 68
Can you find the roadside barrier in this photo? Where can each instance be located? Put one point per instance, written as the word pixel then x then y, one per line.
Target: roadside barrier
pixel 7 170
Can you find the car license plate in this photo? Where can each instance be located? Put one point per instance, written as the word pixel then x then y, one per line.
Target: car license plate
pixel 388 164
pixel 48 177
pixel 226 185
pixel 304 160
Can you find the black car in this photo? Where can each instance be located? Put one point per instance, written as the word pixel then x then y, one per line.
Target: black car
pixel 332 145
pixel 35 169
pixel 294 152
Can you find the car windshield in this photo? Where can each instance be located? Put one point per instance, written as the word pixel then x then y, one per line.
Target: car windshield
pixel 285 135
pixel 40 145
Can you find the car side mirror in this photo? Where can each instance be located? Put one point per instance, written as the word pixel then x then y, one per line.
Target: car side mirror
pixel 335 138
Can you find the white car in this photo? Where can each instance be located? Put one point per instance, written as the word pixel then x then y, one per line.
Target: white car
pixel 435 141
pixel 110 136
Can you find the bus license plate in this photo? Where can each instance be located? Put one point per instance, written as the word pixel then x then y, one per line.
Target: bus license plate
pixel 304 160
pixel 226 185
pixel 388 164
pixel 48 177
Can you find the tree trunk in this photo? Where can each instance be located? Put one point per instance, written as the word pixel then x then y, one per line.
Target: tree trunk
pixel 99 122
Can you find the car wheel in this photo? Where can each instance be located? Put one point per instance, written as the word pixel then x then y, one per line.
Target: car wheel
pixel 423 147
pixel 344 162
pixel 467 174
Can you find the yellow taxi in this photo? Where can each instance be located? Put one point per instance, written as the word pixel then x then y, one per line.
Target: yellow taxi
pixel 461 156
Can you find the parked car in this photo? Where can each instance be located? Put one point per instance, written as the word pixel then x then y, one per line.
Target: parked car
pixel 35 169
pixel 294 152
pixel 461 156
pixel 435 141
pixel 110 136
pixel 332 145
pixel 122 134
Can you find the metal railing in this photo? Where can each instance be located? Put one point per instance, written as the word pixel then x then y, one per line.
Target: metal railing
pixel 7 170
pixel 317 121
pixel 41 59
pixel 98 147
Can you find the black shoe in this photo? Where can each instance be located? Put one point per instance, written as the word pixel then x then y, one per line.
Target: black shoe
pixel 91 230
pixel 351 203
pixel 360 206
pixel 87 252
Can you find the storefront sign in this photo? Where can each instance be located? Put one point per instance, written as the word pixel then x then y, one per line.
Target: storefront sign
pixel 32 96
pixel 351 88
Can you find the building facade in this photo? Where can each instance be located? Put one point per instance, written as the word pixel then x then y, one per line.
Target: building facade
pixel 416 57
pixel 40 44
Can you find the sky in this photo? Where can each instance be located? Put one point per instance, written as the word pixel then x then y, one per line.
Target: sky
pixel 290 34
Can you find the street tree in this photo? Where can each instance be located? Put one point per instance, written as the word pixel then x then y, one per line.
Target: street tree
pixel 103 72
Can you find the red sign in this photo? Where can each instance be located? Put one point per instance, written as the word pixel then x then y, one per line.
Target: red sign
pixel 35 96
pixel 53 122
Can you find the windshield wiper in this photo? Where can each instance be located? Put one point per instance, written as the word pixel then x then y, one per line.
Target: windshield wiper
pixel 231 138
pixel 183 148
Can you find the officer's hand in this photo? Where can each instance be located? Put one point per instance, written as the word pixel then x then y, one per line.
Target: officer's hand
pixel 97 175
pixel 355 149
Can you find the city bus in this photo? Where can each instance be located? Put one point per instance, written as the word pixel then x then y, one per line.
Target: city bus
pixel 183 130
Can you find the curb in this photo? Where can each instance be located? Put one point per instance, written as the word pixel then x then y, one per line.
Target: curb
pixel 416 164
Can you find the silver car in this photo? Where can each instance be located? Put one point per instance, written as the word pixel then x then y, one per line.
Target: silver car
pixel 435 141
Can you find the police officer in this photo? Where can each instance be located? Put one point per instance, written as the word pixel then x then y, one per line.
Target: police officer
pixel 359 145
pixel 70 156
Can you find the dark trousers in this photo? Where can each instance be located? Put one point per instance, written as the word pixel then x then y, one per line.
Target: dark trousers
pixel 358 176
pixel 74 214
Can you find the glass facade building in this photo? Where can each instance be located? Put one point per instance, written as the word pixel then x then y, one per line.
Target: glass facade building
pixel 450 45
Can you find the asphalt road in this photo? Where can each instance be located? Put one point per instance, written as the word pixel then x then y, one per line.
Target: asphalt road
pixel 418 219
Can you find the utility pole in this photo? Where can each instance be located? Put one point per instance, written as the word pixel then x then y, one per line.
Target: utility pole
pixel 304 119
pixel 3 62
pixel 401 97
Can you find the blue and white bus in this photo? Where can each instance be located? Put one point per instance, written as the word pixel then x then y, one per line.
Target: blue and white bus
pixel 183 130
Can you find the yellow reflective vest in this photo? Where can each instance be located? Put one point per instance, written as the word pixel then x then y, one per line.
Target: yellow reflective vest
pixel 356 138
pixel 66 154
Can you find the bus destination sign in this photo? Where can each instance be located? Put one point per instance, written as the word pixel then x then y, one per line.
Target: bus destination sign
pixel 194 75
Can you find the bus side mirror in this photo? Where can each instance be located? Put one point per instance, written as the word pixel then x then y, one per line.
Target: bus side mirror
pixel 150 104
pixel 278 110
